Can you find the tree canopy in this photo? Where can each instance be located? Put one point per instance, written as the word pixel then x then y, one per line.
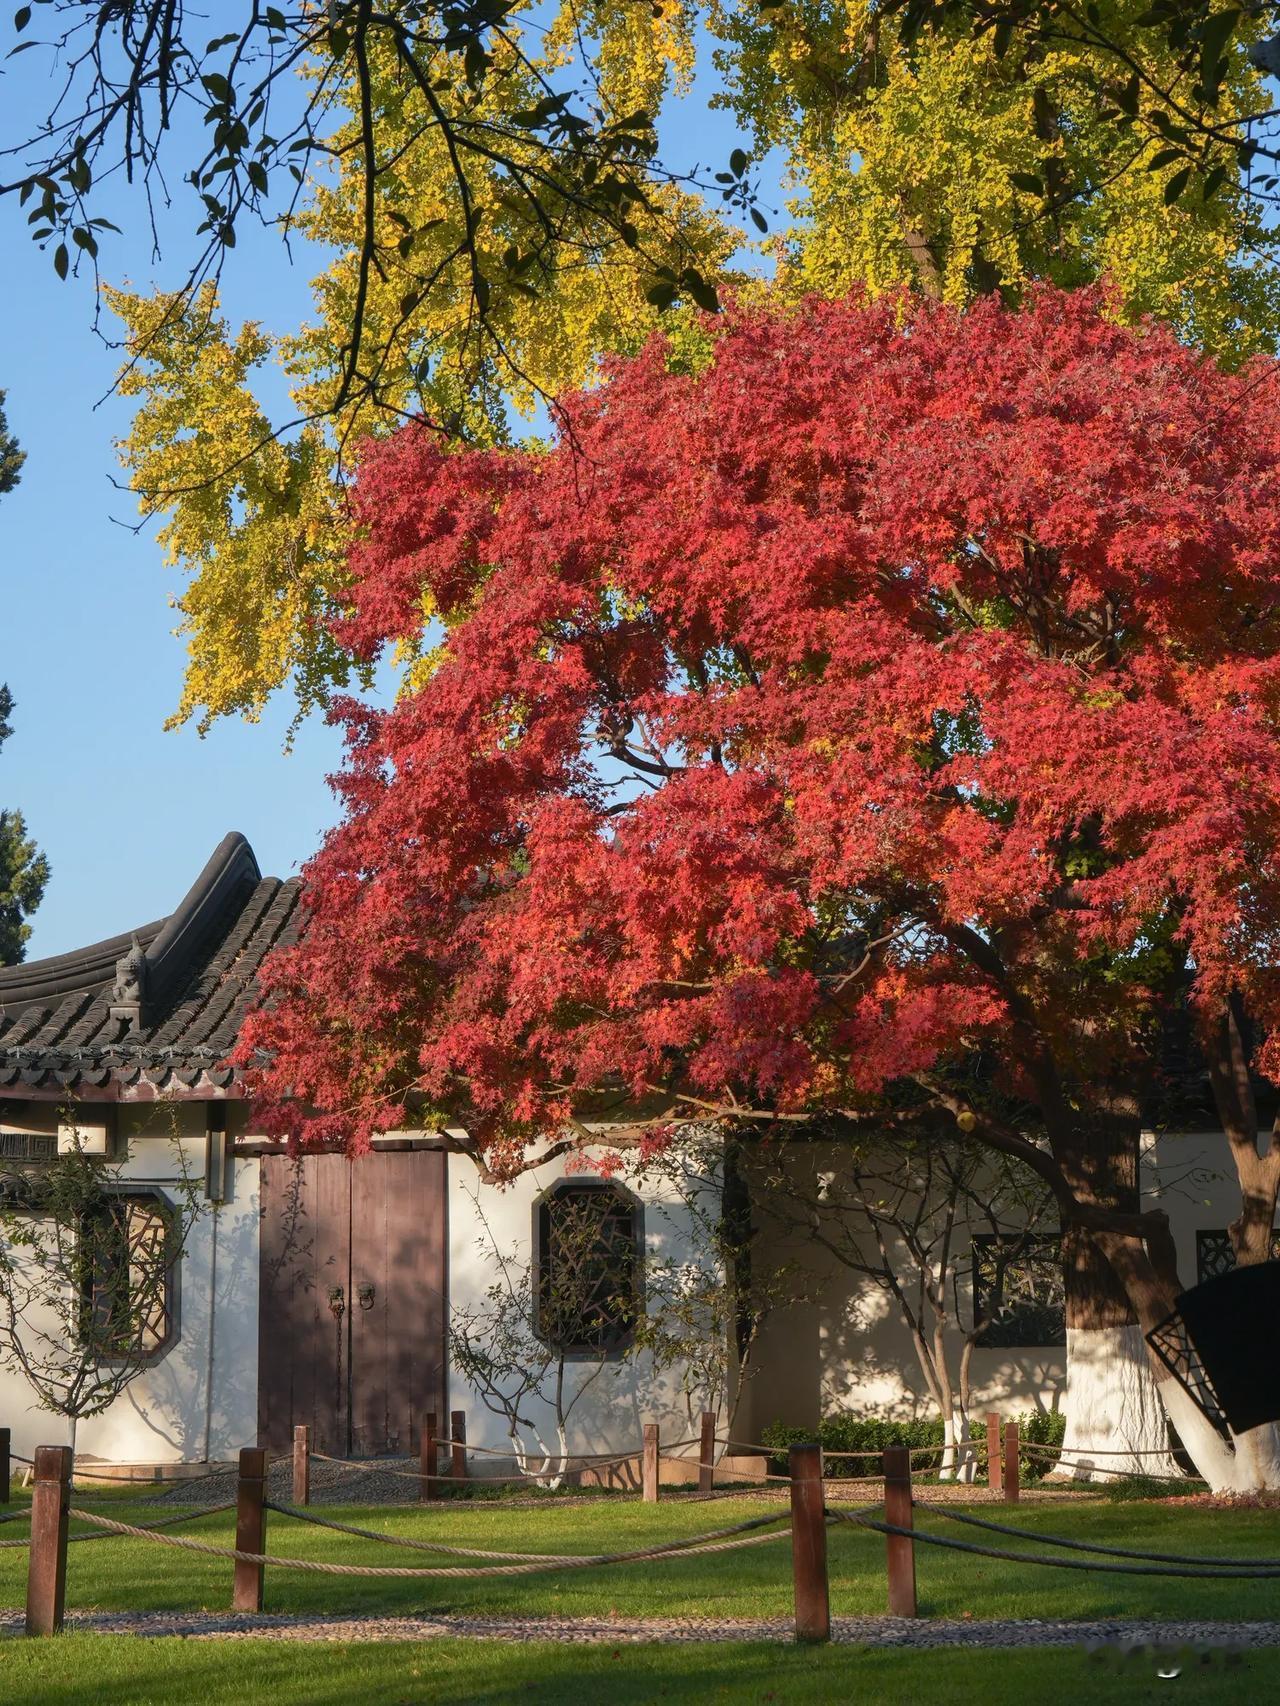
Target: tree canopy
pixel 24 870
pixel 877 722
pixel 474 260
pixel 12 456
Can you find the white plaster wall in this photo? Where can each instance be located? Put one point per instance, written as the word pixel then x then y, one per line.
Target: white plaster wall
pixel 843 1344
pixel 1190 1175
pixel 173 1412
pixel 844 1347
pixel 629 1391
pixel 848 1348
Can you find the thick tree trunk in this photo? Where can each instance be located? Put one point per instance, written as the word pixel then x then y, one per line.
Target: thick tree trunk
pixel 1116 1423
pixel 1249 1463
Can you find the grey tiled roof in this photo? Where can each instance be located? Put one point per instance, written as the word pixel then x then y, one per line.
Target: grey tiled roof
pixel 155 1011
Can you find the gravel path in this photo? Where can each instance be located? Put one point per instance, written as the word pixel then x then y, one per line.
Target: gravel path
pixel 1121 1635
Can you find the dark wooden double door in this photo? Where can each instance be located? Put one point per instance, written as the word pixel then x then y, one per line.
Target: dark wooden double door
pixel 352 1300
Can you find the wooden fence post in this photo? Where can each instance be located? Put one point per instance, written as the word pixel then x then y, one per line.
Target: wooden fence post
pixel 5 1462
pixel 994 1478
pixel 707 1453
pixel 427 1449
pixel 302 1464
pixel 458 1434
pixel 649 1465
pixel 1011 1463
pixel 900 1551
pixel 251 1528
pixel 47 1556
pixel 809 1544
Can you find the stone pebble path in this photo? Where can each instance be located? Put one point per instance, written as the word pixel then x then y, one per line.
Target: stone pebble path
pixel 1121 1635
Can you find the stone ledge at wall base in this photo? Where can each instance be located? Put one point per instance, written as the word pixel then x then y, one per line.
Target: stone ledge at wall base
pixel 105 1472
pixel 741 1466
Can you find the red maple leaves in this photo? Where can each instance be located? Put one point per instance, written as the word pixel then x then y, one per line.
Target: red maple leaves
pixel 902 686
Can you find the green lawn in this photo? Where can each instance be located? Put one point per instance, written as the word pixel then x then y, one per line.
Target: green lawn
pixel 119 1671
pixel 127 1575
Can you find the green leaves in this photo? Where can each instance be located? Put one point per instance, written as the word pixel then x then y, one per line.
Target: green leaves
pixel 1177 183
pixel 670 287
pixel 1215 37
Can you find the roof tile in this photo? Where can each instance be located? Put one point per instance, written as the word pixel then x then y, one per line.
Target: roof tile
pixel 213 950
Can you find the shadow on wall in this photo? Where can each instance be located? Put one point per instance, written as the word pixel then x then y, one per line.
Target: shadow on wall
pixel 166 1412
pixel 853 1354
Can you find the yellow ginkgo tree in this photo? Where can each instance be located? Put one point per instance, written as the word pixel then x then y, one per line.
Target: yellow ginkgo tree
pixel 959 164
pixel 255 518
pixel 949 160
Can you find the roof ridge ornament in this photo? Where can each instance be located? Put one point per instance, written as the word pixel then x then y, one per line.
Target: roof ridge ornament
pixel 129 992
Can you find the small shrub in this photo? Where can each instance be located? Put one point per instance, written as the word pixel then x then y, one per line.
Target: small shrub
pixel 847 1433
pixel 1040 1427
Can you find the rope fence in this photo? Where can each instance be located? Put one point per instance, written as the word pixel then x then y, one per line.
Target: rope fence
pixel 1077 1461
pixel 915 1535
pixel 162 1522
pixel 1092 1546
pixel 804 1521
pixel 532 1565
pixel 995 1458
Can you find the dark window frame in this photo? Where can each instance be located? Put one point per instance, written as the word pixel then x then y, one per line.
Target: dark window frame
pixel 1215 1253
pixel 1026 1325
pixel 618 1343
pixel 142 1194
pixel 28 1148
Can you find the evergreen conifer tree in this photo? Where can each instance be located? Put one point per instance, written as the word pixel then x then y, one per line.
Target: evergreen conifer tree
pixel 24 870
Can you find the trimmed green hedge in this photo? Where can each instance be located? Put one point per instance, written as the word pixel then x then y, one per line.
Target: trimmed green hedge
pixel 861 1433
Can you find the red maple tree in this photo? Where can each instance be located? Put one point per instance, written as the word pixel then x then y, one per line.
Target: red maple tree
pixel 878 723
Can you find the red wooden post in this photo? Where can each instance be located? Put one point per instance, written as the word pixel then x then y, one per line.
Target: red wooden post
pixel 458 1434
pixel 47 1557
pixel 900 1551
pixel 302 1464
pixel 995 1480
pixel 809 1544
pixel 427 1451
pixel 649 1465
pixel 707 1453
pixel 4 1466
pixel 251 1528
pixel 1011 1463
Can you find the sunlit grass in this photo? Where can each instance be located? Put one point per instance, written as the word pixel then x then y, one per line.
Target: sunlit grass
pixel 122 1671
pixel 134 1575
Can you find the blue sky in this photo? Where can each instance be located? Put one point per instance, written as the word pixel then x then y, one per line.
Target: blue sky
pixel 126 812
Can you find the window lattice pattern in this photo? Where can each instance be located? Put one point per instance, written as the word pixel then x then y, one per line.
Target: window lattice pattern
pixel 588 1268
pixel 128 1277
pixel 1018 1289
pixel 27 1146
pixel 1216 1255
pixel 1176 1349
